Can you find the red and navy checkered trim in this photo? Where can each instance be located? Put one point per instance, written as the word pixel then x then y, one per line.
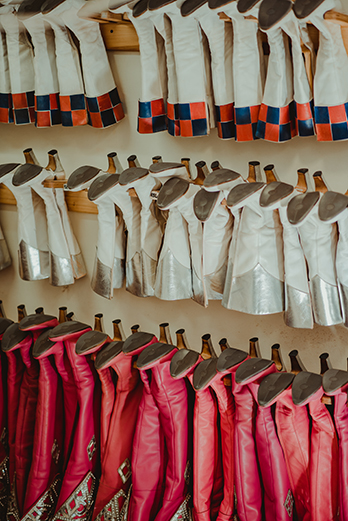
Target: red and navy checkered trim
pixel 47 110
pixel 331 123
pixel 23 108
pixel 304 114
pixel 225 121
pixel 105 110
pixel 246 119
pixel 6 111
pixel 193 119
pixel 173 119
pixel 73 110
pixel 276 123
pixel 151 116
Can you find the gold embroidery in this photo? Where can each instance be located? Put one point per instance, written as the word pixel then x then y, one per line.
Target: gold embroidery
pixel 4 487
pixel 12 507
pixel 44 507
pixel 127 474
pixel 91 448
pixel 184 512
pixel 79 506
pixel 112 511
pixel 55 452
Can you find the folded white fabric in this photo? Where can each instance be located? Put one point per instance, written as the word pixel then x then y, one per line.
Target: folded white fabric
pixel 6 112
pixel 5 257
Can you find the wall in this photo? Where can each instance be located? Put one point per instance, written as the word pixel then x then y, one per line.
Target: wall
pixel 78 146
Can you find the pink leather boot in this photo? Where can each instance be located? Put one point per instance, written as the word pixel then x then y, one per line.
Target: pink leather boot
pixel 115 479
pixel 79 483
pixel 278 498
pixel 45 472
pixel 148 445
pixel 171 399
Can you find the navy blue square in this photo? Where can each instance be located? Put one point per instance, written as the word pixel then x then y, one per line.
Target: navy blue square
pixel 305 127
pixel 321 115
pixel 145 109
pixel 254 128
pixel 108 117
pixel 22 116
pixel 176 111
pixel 242 115
pixel 10 116
pixel 66 119
pixel 285 132
pixel 43 102
pixel 77 102
pixel 159 123
pixel 273 115
pixel 260 129
pixel 339 131
pixel 31 98
pixel 55 117
pixel 199 127
pixel 228 130
pixel 4 101
pixel 184 111
pixel 217 113
pixel 115 98
pixel 92 104
pixel 346 108
pixel 171 127
pixel 292 111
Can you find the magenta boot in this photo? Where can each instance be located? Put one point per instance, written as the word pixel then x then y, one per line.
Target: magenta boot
pixel 171 399
pixel 116 471
pixel 45 471
pixel 278 500
pixel 79 483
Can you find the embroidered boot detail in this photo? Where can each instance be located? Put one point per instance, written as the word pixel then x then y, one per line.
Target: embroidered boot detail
pixel 4 487
pixel 12 507
pixel 112 511
pixel 44 507
pixel 79 506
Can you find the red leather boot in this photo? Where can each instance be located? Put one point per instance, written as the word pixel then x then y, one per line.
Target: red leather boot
pixel 116 471
pixel 171 399
pixel 278 498
pixel 45 472
pixel 323 466
pixel 148 445
pixel 79 482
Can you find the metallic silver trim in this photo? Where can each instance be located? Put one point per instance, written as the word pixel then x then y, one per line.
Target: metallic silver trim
pixel 12 506
pixel 326 302
pixel 173 280
pixel 112 511
pixel 127 474
pixel 79 505
pixel 343 291
pixel 184 512
pixel 149 267
pixel 215 283
pixel 298 308
pixel 102 279
pixel 4 486
pixel 118 273
pixel 256 293
pixel 78 266
pixel 198 289
pixel 91 448
pixel 134 275
pixel 34 264
pixel 44 507
pixel 61 271
pixel 5 258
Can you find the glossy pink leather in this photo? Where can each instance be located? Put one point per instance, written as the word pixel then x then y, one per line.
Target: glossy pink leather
pixel 48 439
pixel 118 449
pixel 4 488
pixel 171 399
pixel 293 431
pixel 107 405
pixel 278 502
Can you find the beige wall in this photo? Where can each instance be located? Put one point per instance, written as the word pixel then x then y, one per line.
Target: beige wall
pixel 86 145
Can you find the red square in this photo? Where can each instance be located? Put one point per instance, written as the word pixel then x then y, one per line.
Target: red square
pixel 198 110
pixel 226 112
pixel 65 105
pixel 262 114
pixel 294 128
pixel 323 131
pixel 284 115
pixel 43 119
pixel 303 111
pixel 20 101
pixel 145 126
pixel 104 102
pixel 272 132
pixel 157 107
pixel 170 111
pixel 32 114
pixel 79 117
pixel 337 114
pixel 95 119
pixel 118 111
pixel 4 115
pixel 176 127
pixel 186 128
pixel 255 113
pixel 244 133
pixel 54 105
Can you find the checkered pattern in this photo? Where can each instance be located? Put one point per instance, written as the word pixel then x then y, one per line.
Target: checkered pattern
pixel 23 108
pixel 246 119
pixel 276 123
pixel 331 123
pixel 73 110
pixel 304 119
pixel 225 121
pixel 105 110
pixel 193 119
pixel 6 112
pixel 47 110
pixel 173 119
pixel 151 117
